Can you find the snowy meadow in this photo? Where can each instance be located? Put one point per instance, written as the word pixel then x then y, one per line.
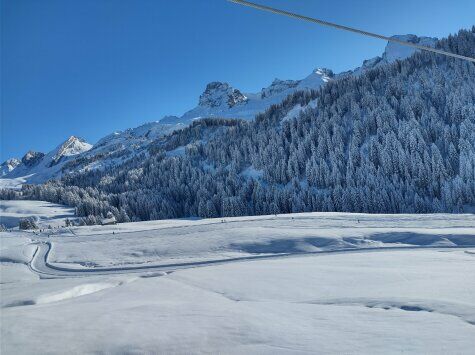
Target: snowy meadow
pixel 299 283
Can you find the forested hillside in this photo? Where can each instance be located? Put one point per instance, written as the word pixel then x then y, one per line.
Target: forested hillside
pixel 398 138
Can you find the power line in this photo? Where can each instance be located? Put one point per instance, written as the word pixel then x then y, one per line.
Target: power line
pixel 350 29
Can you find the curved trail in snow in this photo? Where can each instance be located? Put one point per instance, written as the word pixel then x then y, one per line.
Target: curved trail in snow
pixel 40 264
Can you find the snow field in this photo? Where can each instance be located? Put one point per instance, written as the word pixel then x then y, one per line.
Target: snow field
pixel 358 293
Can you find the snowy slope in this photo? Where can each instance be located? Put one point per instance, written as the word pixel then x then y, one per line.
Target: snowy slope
pixel 121 145
pixel 45 213
pixel 218 100
pixel 340 299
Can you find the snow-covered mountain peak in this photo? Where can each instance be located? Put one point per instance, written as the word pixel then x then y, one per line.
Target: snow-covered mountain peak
pixel 12 162
pixel 31 158
pixel 72 146
pixel 9 165
pixel 395 51
pixel 218 94
pixel 318 77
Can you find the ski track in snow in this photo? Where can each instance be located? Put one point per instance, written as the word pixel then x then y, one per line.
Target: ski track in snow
pixel 311 237
pixel 40 264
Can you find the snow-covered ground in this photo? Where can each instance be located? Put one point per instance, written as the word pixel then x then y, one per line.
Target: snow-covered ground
pixel 46 214
pixel 14 183
pixel 302 283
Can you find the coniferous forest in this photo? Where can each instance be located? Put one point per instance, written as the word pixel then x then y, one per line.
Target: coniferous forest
pixel 399 138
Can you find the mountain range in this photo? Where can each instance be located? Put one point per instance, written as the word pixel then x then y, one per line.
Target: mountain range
pixel 219 100
pixel 393 136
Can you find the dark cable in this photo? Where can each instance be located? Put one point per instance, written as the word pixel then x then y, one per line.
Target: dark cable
pixel 350 29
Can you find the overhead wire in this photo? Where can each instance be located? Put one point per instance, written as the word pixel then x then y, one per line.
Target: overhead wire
pixel 350 29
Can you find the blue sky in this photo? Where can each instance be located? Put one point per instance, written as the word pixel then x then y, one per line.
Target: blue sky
pixel 91 67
